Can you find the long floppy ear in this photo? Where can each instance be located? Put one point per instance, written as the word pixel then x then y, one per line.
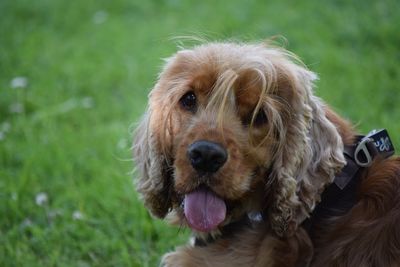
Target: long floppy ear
pixel 154 178
pixel 152 144
pixel 309 157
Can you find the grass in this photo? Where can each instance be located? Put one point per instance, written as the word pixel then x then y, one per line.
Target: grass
pixel 89 66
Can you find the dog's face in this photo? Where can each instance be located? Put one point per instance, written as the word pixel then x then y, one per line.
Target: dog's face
pixel 228 132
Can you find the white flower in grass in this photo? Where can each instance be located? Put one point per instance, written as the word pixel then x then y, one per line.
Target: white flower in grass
pixel 19 82
pixel 5 126
pixel 77 215
pixel 26 223
pixel 14 196
pixel 122 144
pixel 87 102
pixel 41 199
pixel 100 17
pixel 16 108
pixel 4 129
pixel 82 263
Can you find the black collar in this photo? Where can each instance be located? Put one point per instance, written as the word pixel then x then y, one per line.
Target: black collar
pixel 226 232
pixel 341 195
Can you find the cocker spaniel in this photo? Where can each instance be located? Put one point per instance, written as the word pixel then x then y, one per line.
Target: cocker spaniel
pixel 236 146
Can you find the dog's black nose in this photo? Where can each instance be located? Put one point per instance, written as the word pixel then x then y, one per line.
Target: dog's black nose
pixel 206 156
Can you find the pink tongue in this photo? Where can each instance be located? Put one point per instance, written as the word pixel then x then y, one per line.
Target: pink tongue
pixel 204 210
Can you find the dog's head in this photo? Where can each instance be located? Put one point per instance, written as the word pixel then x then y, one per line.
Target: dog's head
pixel 233 129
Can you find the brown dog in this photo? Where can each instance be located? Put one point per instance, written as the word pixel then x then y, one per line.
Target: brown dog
pixel 235 145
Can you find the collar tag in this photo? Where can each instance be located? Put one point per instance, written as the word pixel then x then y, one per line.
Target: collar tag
pixel 376 142
pixel 382 142
pixel 362 154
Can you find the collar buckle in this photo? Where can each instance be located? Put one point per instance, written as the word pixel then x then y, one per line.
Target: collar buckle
pixel 376 142
pixel 365 152
pixel 362 153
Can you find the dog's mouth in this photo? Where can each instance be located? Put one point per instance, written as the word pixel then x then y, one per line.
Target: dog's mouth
pixel 204 210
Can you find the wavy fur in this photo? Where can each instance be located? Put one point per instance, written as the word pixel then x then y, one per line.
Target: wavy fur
pixel 277 166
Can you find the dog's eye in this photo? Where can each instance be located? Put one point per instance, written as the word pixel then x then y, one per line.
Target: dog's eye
pixel 260 118
pixel 189 101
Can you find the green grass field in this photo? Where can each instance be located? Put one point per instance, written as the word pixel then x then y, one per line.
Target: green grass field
pixel 85 69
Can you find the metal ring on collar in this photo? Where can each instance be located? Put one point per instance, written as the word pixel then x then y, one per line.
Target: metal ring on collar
pixel 366 160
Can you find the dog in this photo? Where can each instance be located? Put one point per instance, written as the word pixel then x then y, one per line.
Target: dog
pixel 236 146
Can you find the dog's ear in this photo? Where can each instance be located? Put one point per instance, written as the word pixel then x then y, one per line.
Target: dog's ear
pixel 153 182
pixel 153 137
pixel 310 155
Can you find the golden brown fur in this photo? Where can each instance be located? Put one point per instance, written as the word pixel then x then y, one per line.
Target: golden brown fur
pixel 277 167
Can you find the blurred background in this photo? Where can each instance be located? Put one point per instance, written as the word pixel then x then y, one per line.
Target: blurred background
pixel 74 79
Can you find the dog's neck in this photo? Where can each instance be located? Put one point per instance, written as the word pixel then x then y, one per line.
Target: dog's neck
pixel 225 232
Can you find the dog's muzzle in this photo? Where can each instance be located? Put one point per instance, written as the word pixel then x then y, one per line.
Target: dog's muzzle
pixel 206 156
